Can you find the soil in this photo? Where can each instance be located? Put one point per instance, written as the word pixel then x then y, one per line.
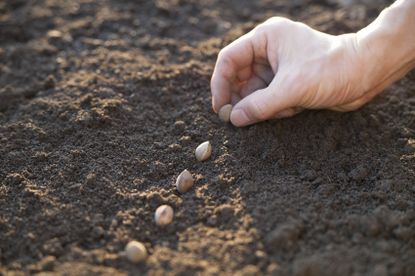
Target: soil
pixel 102 104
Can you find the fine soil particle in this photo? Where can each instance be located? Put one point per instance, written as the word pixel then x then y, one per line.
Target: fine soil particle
pixel 102 104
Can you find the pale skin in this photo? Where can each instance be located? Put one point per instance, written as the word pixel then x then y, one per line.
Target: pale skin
pixel 283 67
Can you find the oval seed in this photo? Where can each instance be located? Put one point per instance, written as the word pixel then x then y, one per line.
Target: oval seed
pixel 184 181
pixel 163 215
pixel 225 112
pixel 203 151
pixel 136 251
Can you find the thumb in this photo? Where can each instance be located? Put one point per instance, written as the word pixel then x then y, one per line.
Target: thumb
pixel 262 104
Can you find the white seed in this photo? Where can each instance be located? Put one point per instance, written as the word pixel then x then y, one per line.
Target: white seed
pixel 163 215
pixel 136 251
pixel 225 112
pixel 184 181
pixel 203 151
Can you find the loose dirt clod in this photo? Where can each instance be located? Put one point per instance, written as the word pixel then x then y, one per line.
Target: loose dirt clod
pixel 184 181
pixel 225 112
pixel 203 151
pixel 136 251
pixel 163 215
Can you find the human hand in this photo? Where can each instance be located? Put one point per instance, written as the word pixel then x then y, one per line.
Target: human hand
pixel 282 67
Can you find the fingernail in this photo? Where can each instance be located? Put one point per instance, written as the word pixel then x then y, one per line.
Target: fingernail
pixel 239 117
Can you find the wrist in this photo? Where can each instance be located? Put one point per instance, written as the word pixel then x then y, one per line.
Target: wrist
pixel 387 46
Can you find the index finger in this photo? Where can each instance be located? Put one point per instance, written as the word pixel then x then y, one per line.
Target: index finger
pixel 234 57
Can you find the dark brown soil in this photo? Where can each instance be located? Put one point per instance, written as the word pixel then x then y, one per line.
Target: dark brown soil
pixel 98 119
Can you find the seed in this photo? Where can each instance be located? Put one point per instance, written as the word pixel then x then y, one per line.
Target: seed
pixel 136 251
pixel 225 112
pixel 163 215
pixel 203 151
pixel 184 181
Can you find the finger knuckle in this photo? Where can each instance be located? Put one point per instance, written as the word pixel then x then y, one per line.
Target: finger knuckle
pixel 224 56
pixel 224 49
pixel 222 53
pixel 276 20
pixel 274 25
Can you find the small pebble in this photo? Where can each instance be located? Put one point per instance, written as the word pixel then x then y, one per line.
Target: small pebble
pixel 184 181
pixel 136 251
pixel 179 127
pixel 54 34
pixel 203 151
pixel 163 215
pixel 225 112
pixel 185 140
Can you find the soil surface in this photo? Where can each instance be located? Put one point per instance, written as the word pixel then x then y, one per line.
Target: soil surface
pixel 102 104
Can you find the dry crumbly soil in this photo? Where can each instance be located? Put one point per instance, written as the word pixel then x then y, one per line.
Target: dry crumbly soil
pixel 99 117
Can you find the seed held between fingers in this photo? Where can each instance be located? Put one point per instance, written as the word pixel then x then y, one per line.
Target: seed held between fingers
pixel 164 215
pixel 184 181
pixel 136 251
pixel 203 151
pixel 225 113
